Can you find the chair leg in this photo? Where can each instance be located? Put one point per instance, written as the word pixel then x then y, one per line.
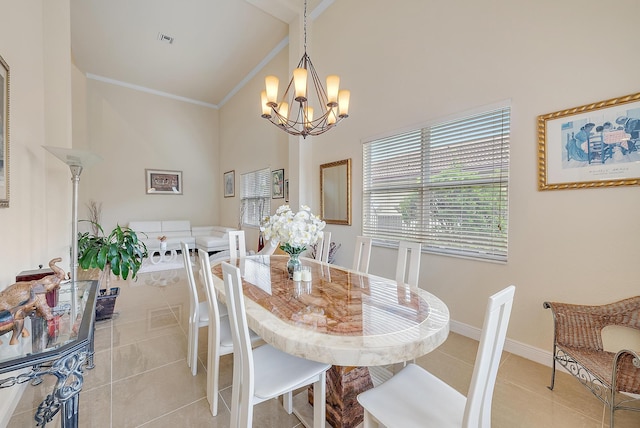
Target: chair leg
pixel 246 415
pixel 611 412
pixel 235 392
pixel 214 386
pixel 320 401
pixel 369 420
pixel 194 351
pixel 553 369
pixel 287 402
pixel 213 377
pixel 189 342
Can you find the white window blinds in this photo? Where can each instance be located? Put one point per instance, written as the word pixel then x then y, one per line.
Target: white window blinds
pixel 445 186
pixel 254 196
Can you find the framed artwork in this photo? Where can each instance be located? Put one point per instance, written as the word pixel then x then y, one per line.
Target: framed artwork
pixel 277 184
pixel 286 190
pixel 163 182
pixel 594 145
pixel 230 184
pixel 4 133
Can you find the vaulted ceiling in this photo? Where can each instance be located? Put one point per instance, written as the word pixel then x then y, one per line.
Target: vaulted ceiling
pixel 216 44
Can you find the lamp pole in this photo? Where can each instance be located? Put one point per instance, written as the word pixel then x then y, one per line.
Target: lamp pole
pixel 76 170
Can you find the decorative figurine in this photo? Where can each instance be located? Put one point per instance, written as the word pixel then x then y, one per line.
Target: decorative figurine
pixel 20 299
pixel 13 319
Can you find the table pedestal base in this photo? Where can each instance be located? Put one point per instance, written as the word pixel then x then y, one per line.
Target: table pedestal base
pixel 343 386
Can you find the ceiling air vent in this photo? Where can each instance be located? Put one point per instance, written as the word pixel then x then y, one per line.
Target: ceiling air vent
pixel 165 38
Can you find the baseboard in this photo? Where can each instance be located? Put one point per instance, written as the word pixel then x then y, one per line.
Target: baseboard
pixel 513 346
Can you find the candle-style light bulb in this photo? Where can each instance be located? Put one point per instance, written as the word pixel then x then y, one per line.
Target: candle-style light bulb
pixel 343 102
pixel 284 112
pixel 333 84
pixel 271 83
pixel 300 83
pixel 308 117
pixel 266 110
pixel 331 117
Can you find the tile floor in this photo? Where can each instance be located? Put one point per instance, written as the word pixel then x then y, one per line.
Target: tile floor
pixel 141 378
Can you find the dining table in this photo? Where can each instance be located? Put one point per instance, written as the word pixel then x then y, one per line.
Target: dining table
pixel 354 321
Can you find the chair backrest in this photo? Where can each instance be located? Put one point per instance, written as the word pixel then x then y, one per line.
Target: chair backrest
pixel 237 245
pixel 362 254
pixel 193 291
pixel 242 354
pixel 212 300
pixel 404 248
pixel 269 248
pixel 477 412
pixel 323 247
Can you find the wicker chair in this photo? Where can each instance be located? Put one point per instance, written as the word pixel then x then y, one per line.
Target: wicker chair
pixel 579 349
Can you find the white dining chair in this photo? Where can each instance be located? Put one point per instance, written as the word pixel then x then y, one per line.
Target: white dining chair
pixel 362 254
pixel 220 340
pixel 406 250
pixel 416 398
pixel 265 372
pixel 323 246
pixel 198 312
pixel 237 244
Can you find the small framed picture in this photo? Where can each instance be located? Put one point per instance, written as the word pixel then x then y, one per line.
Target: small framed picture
pixel 286 190
pixel 230 184
pixel 590 146
pixel 277 184
pixel 163 182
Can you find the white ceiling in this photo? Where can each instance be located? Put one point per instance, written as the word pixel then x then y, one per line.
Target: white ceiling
pixel 217 43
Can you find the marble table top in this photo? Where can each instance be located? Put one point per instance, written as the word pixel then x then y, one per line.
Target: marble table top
pixel 341 317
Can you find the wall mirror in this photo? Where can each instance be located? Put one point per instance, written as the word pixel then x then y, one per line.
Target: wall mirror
pixel 335 192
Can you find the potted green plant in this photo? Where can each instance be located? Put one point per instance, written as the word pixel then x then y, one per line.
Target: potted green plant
pixel 121 250
pixel 120 253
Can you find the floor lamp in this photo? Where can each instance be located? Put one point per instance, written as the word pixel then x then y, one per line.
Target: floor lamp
pixel 77 160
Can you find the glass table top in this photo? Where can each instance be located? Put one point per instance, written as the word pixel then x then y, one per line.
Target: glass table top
pixel 70 327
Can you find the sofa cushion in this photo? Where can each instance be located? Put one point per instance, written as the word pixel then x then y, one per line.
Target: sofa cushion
pixel 202 230
pixel 222 229
pixel 212 243
pixel 148 227
pixel 177 234
pixel 176 226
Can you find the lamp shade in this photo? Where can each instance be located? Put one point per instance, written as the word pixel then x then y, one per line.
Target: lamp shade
pixel 74 157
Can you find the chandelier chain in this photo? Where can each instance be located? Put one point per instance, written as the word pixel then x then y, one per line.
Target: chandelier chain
pixel 305 25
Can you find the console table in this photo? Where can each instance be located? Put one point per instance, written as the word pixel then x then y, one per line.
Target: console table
pixel 61 351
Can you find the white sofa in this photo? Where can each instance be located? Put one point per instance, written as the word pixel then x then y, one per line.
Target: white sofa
pixel 210 238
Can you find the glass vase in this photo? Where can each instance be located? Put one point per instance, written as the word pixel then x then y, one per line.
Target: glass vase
pixel 293 263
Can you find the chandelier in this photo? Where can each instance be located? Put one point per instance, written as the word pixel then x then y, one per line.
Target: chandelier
pixel 294 113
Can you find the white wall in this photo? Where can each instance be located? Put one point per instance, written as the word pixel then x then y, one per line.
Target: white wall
pixel 37 225
pixel 417 61
pixel 248 143
pixel 134 130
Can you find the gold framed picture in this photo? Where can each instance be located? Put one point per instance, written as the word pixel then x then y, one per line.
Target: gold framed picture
pixel 594 145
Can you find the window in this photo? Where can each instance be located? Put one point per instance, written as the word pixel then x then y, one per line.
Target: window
pixel 445 186
pixel 254 196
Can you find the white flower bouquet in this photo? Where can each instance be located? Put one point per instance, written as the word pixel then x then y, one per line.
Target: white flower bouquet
pixel 294 231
